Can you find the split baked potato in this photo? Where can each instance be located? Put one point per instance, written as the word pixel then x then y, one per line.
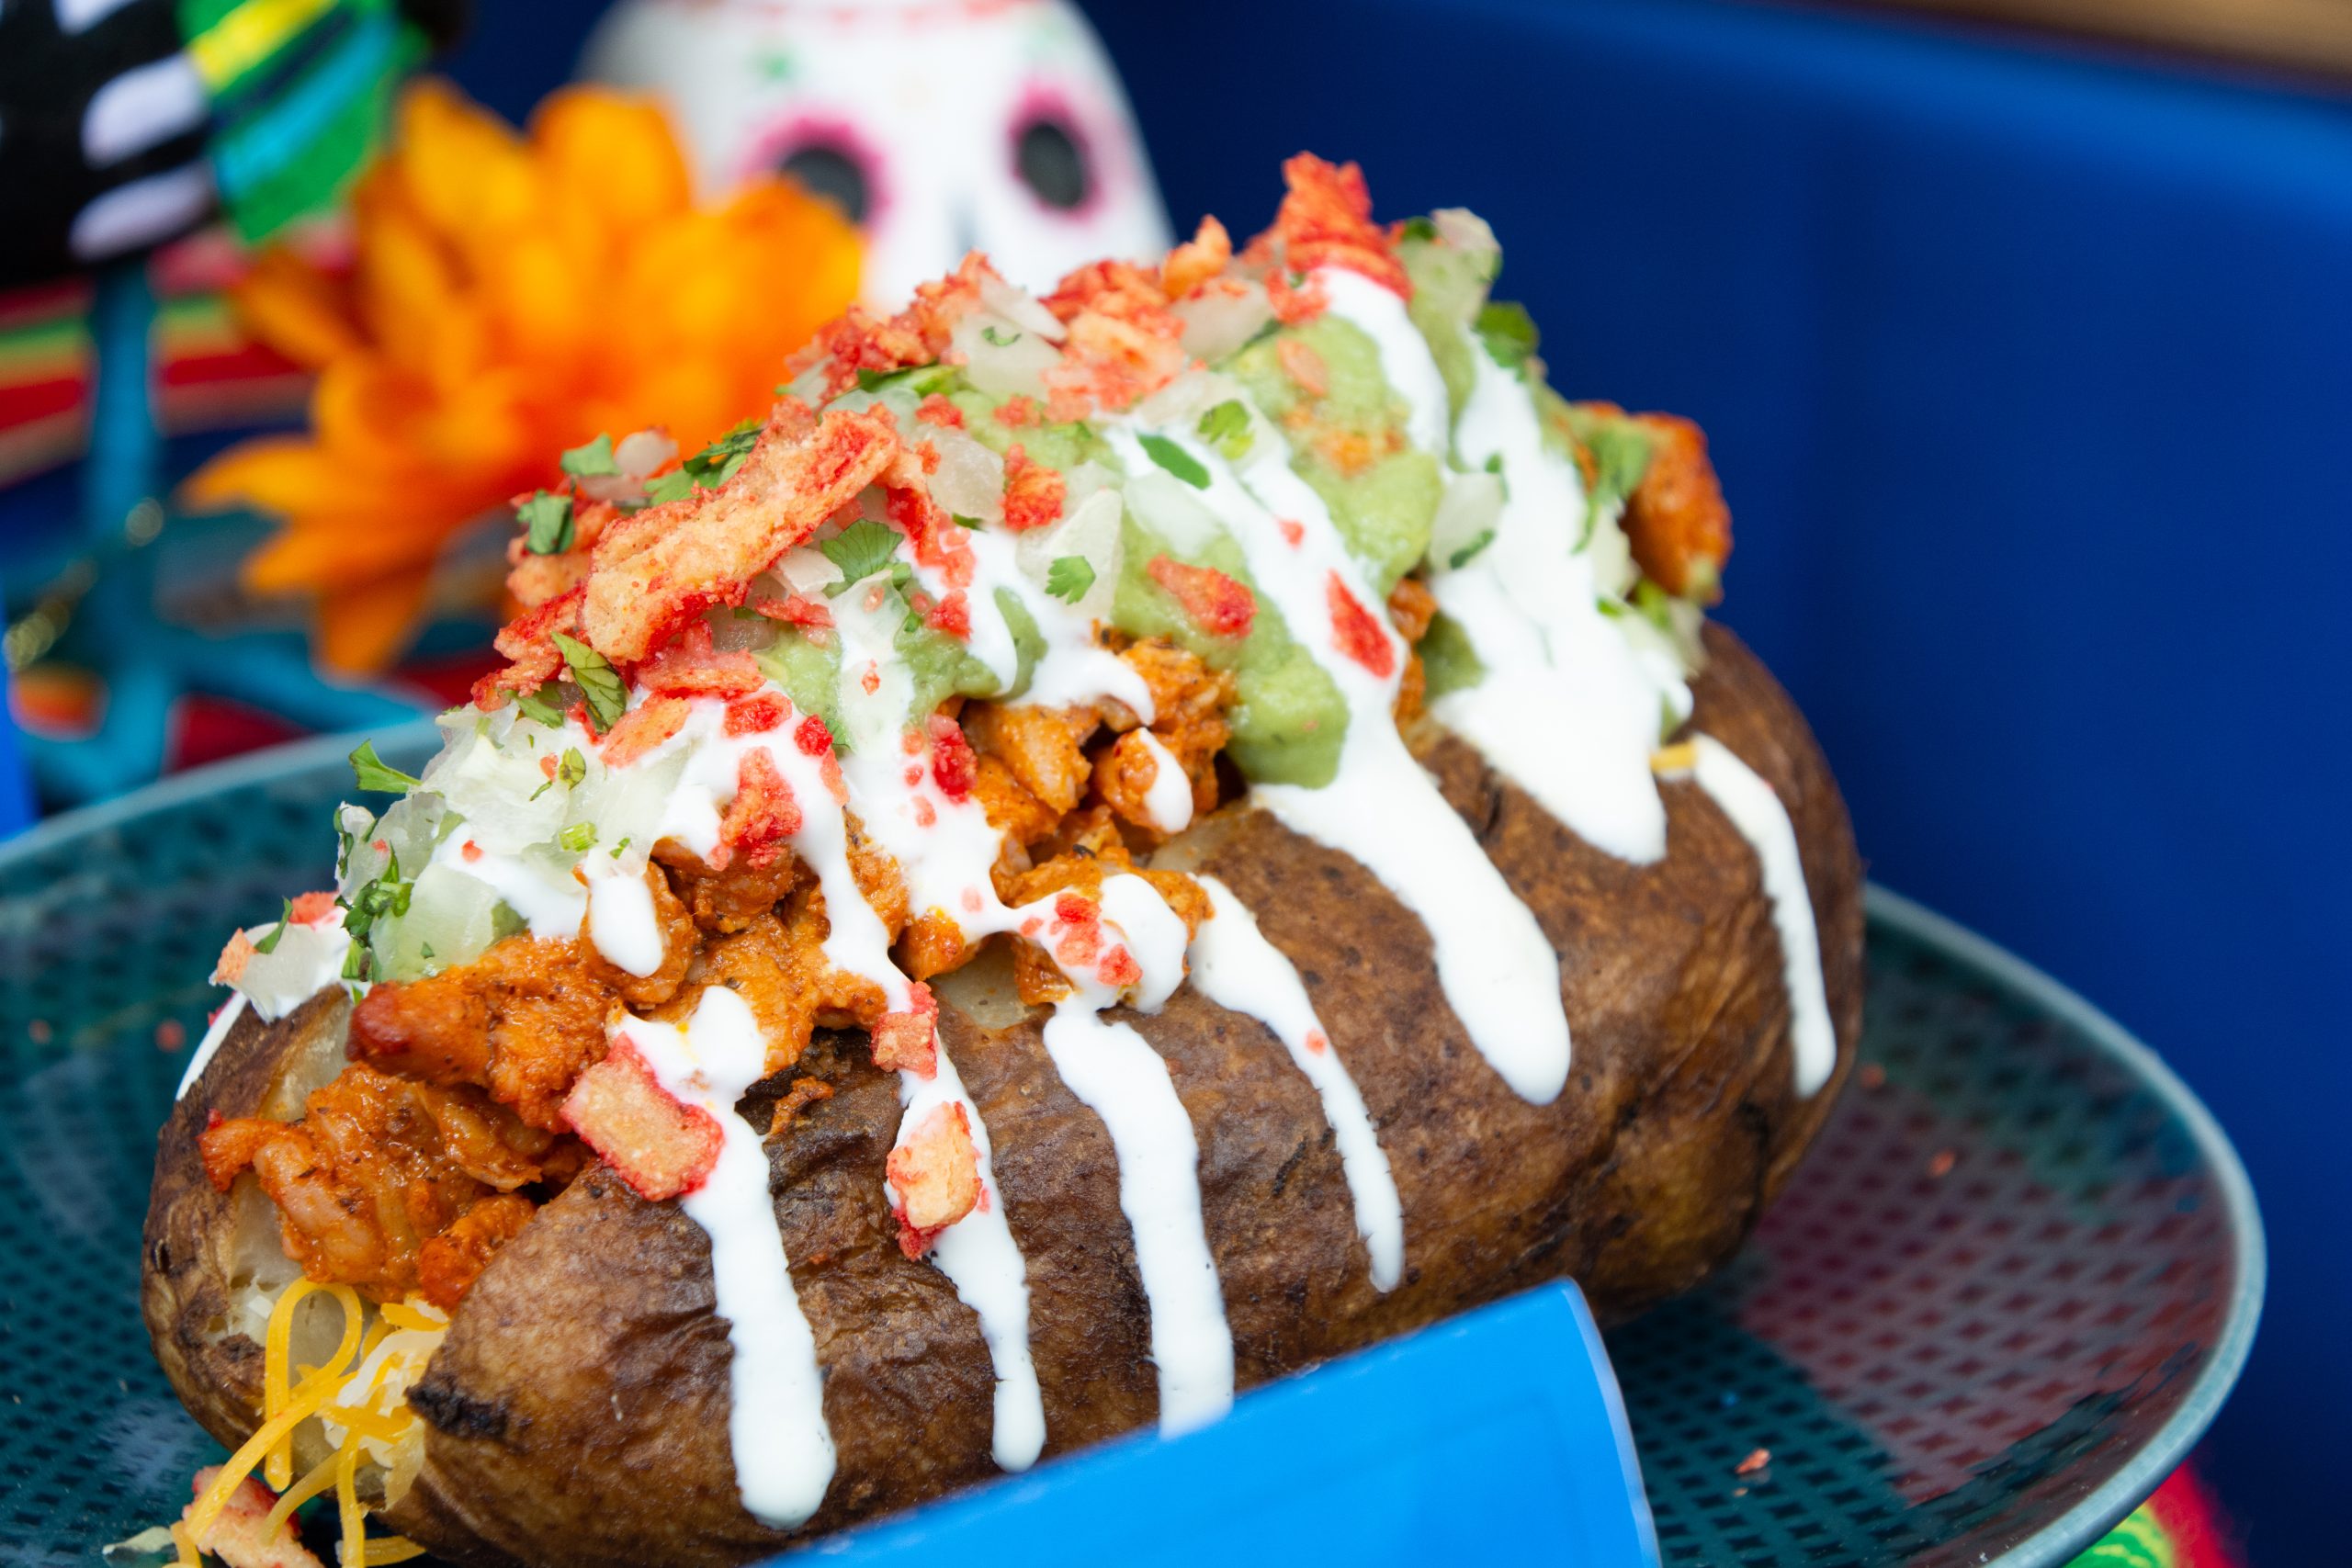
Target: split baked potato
pixel 577 1411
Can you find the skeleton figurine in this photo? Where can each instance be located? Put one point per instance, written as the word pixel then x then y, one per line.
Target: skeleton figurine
pixel 939 126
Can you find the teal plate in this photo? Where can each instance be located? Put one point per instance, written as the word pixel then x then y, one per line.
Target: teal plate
pixel 2001 1297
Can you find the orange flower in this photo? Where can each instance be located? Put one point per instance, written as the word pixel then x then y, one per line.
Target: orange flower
pixel 511 296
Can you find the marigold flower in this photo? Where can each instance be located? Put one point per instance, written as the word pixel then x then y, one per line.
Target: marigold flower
pixel 511 296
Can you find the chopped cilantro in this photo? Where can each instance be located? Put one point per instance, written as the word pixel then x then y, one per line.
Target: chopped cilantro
pixel 1227 427
pixel 920 379
pixel 1507 332
pixel 717 463
pixel 1469 552
pixel 998 338
pixel 618 848
pixel 708 468
pixel 1176 461
pixel 269 943
pixel 579 837
pixel 374 773
pixel 859 550
pixel 1068 578
pixel 1653 602
pixel 547 520
pixel 599 683
pixel 1610 608
pixel 964 522
pixel 426 949
pixel 1418 228
pixel 572 767
pixel 592 461
pixel 537 708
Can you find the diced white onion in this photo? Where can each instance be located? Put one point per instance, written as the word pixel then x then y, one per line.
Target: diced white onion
pixel 970 480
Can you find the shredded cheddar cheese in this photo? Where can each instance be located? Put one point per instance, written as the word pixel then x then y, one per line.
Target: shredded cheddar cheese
pixel 299 1405
pixel 358 1394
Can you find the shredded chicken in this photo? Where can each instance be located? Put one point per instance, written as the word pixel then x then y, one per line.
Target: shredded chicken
pixel 380 1168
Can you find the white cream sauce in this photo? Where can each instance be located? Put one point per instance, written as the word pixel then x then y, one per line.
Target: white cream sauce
pixel 775 1419
pixel 1567 709
pixel 1234 966
pixel 222 1021
pixel 621 921
pixel 979 1254
pixel 1117 1075
pixel 1169 800
pixel 1757 812
pixel 1406 362
pixel 1498 972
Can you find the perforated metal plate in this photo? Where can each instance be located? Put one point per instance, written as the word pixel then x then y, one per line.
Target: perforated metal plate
pixel 1995 1305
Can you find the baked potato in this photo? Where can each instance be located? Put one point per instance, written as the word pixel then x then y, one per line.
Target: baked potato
pixel 582 1395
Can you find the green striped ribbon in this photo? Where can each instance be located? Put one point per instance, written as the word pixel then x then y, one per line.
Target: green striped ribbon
pixel 300 90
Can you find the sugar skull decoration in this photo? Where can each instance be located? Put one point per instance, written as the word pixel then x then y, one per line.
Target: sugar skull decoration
pixel 938 125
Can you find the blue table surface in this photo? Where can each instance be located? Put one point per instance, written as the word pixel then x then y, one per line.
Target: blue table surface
pixel 2027 369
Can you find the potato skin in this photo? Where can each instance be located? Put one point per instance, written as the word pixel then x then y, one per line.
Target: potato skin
pixel 577 1410
pixel 198 1243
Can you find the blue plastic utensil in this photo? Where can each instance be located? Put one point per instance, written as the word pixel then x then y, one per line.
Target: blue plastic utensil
pixel 1501 1433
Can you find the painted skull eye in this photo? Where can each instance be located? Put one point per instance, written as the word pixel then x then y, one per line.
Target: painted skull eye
pixel 1049 155
pixel 833 171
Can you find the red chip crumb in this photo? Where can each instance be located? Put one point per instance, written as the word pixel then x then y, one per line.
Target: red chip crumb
pixel 951 615
pixel 240 1535
pixel 812 735
pixel 642 728
pixel 908 1040
pixel 1304 366
pixel 662 1147
pixel 1118 968
pixel 937 1174
pixel 1017 413
pixel 470 851
pixel 230 967
pixel 1754 1462
pixel 1940 1167
pixel 762 815
pixel 937 410
pixel 758 714
pixel 1316 1042
pixel 1356 634
pixel 952 761
pixel 1294 534
pixel 170 1035
pixel 798 611
pixel 1213 601
pixel 312 909
pixel 1033 492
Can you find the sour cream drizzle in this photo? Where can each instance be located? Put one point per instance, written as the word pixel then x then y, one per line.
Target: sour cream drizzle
pixel 775 1418
pixel 1498 972
pixel 222 1021
pixel 1117 1074
pixel 1234 966
pixel 621 920
pixel 1170 798
pixel 1757 812
pixel 1530 604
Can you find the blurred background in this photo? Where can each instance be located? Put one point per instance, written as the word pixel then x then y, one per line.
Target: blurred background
pixel 2021 331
